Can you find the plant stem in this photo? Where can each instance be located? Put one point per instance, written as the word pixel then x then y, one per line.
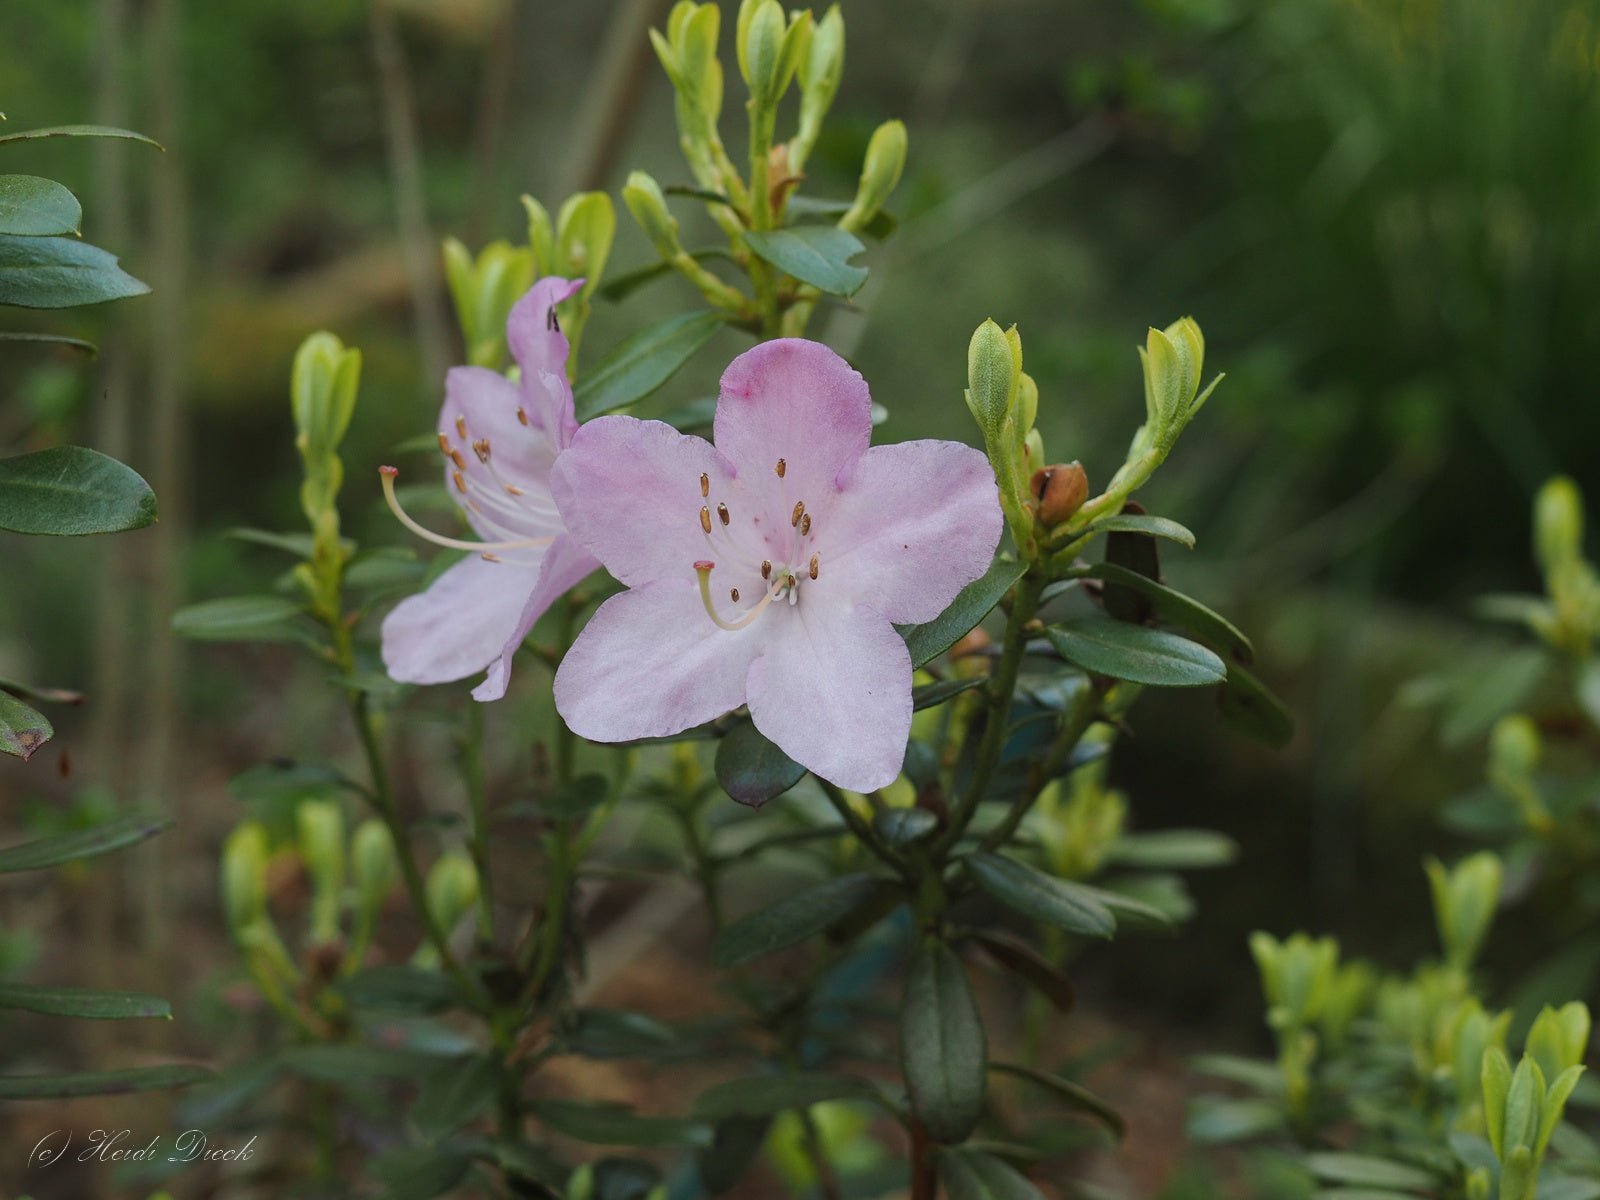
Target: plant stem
pixel 860 828
pixel 478 806
pixel 1073 724
pixel 827 1181
pixel 924 1170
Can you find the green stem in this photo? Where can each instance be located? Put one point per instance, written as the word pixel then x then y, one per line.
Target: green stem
pixel 478 808
pixel 827 1181
pixel 1074 723
pixel 857 826
pixel 705 864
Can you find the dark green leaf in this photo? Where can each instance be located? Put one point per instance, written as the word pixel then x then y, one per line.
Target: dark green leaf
pixel 22 729
pixel 240 619
pixel 643 363
pixel 1105 646
pixel 286 780
pixel 930 695
pixel 1139 554
pixel 751 769
pixel 1024 962
pixel 1059 902
pixel 100 131
pixel 1159 527
pixel 973 1175
pixel 51 339
pixel 419 1172
pixel 453 1092
pixel 942 1044
pixel 578 799
pixel 733 1151
pixel 1074 1095
pixel 54 272
pixel 902 826
pixel 34 207
pixel 816 254
pixel 400 990
pixel 614 1125
pixel 335 1062
pixel 1175 608
pixel 1174 849
pixel 1220 1121
pixel 81 1002
pixel 926 642
pixel 296 544
pixel 792 919
pixel 44 695
pixel 617 1033
pixel 71 491
pixel 101 1083
pixel 1365 1170
pixel 625 1179
pixel 767 1095
pixel 1249 706
pixel 88 843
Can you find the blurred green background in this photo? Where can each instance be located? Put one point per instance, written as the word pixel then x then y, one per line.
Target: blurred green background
pixel 1382 212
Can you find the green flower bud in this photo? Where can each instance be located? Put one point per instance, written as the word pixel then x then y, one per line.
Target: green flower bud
pixel 373 863
pixel 1296 976
pixel 642 194
pixel 1558 525
pixel 1349 993
pixel 1558 1040
pixel 880 172
pixel 1464 903
pixel 1090 824
pixel 244 875
pixel 541 237
pixel 585 227
pixel 483 291
pixel 820 71
pixel 992 375
pixel 580 1184
pixel 452 888
pixel 1515 747
pixel 320 826
pixel 760 32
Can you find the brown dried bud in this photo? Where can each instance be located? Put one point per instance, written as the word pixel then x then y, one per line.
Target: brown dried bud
pixel 1059 490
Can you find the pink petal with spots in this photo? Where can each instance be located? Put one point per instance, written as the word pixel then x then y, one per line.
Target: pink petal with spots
pixel 541 350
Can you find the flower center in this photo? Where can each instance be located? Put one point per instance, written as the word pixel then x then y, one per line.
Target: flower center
pixel 786 557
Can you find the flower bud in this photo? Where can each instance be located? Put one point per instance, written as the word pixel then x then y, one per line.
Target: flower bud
pixel 244 875
pixel 1032 452
pixel 1558 524
pixel 991 379
pixel 452 888
pixel 541 237
pixel 320 826
pixel 642 194
pixel 483 291
pixel 759 31
pixel 585 227
pixel 880 172
pixel 820 70
pixel 1059 491
pixel 1559 1039
pixel 373 864
pixel 1464 902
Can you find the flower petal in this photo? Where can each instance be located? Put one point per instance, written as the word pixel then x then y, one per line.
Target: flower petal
pixel 565 563
pixel 629 490
pixel 650 664
pixel 459 625
pixel 916 523
pixel 496 452
pixel 798 401
pixel 833 689
pixel 541 349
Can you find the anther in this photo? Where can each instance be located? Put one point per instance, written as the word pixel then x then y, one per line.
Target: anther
pixel 799 511
pixel 705 519
pixel 461 483
pixel 722 513
pixel 455 457
pixel 705 485
pixel 813 571
pixel 522 415
pixel 781 468
pixel 481 449
pixel 513 490
pixel 461 427
pixel 489 558
pixel 766 568
pixel 805 525
pixel 733 594
pixel 444 445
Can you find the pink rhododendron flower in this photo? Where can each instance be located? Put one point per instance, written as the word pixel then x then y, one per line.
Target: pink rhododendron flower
pixel 769 569
pixel 499 440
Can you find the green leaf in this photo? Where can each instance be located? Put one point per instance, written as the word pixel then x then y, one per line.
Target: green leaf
pixel 453 1092
pixel 101 1083
pixel 1074 907
pixel 1175 608
pixel 55 272
pixel 1174 849
pixel 618 1033
pixel 973 1175
pixel 336 1062
pixel 398 989
pixel 1249 706
pixel 1365 1170
pixel 23 729
pixel 942 1044
pixel 71 491
pixel 902 826
pixel 81 1002
pixel 766 1095
pixel 1105 646
pixel 1216 1122
pixel 240 619
pixel 733 1151
pixel 793 919
pixel 620 287
pixel 615 1125
pixel 101 131
pixel 816 254
pixel 1159 527
pixel 975 601
pixel 112 835
pixel 419 1172
pixel 1075 1095
pixel 931 695
pixel 51 339
pixel 35 207
pixel 751 769
pixel 643 363
pixel 1027 965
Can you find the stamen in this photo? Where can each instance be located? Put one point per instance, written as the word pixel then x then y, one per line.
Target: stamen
pixel 387 474
pixel 781 468
pixel 766 568
pixel 455 457
pixel 805 525
pixel 461 483
pixel 813 566
pixel 550 322
pixel 799 511
pixel 733 594
pixel 722 513
pixel 489 558
pixel 481 449
pixel 705 485
pixel 512 489
pixel 703 569
pixel 461 428
pixel 522 415
pixel 444 445
pixel 705 519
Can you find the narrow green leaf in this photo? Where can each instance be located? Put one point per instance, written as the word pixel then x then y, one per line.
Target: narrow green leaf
pixel 1219 1122
pixel 792 919
pixel 615 1125
pixel 35 207
pixel 973 1175
pixel 240 619
pixel 23 729
pixel 72 491
pixel 1026 964
pixel 1073 907
pixel 81 1002
pixel 816 254
pixel 902 826
pixel 1075 1095
pixel 1249 706
pixel 419 1172
pixel 1366 1170
pixel 643 363
pixel 767 1095
pixel 101 131
pixel 55 272
pixel 51 339
pixel 620 287
pixel 337 1062
pixel 453 1092
pixel 931 695
pixel 114 834
pixel 1175 608
pixel 751 769
pixel 1105 646
pixel 1159 527
pixel 1174 849
pixel 942 1044
pixel 101 1083
pixel 975 601
pixel 399 989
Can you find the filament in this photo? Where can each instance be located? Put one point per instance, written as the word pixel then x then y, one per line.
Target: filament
pixel 387 474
